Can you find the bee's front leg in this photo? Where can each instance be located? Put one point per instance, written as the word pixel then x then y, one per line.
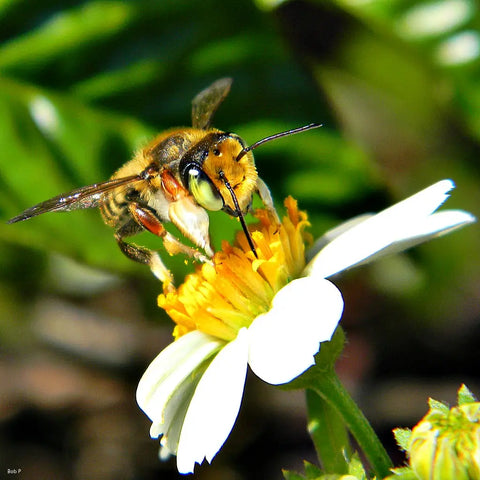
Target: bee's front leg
pixel 149 220
pixel 192 220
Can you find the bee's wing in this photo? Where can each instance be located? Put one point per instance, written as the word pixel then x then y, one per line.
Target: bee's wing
pixel 205 104
pixel 84 197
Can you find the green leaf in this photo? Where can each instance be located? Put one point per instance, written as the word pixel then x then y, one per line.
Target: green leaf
pixel 465 396
pixel 402 437
pixel 356 468
pixel 402 473
pixel 64 33
pixel 289 475
pixel 436 405
pixel 311 470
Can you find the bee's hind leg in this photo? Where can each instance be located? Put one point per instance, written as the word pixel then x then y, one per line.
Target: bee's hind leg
pixel 142 254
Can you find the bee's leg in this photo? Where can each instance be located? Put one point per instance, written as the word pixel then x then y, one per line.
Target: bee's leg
pixel 142 254
pixel 149 220
pixel 266 198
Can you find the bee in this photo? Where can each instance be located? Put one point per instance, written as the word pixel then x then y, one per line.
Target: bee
pixel 176 178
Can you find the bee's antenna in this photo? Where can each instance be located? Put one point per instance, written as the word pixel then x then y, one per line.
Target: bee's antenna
pixel 293 131
pixel 239 213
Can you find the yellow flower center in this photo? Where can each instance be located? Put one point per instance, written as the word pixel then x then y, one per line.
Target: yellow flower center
pixel 220 298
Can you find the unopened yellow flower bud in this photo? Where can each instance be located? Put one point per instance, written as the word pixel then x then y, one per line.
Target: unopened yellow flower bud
pixel 470 449
pixel 445 445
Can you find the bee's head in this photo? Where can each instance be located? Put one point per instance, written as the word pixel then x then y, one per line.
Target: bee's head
pixel 219 171
pixel 217 176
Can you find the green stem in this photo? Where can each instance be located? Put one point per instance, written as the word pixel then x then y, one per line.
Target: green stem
pixel 329 434
pixel 332 396
pixel 328 387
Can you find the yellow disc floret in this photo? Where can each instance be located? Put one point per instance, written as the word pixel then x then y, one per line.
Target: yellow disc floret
pixel 220 299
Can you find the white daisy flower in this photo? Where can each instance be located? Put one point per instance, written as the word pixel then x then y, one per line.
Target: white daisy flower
pixel 271 313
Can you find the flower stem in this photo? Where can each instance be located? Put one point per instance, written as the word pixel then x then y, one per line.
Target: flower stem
pixel 331 396
pixel 329 434
pixel 328 387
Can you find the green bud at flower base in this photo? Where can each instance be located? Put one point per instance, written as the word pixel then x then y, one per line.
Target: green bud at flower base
pixel 445 445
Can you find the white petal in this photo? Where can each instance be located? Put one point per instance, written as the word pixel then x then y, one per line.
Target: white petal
pixel 283 341
pixel 169 370
pixel 410 219
pixel 333 233
pixel 175 410
pixel 214 406
pixel 436 225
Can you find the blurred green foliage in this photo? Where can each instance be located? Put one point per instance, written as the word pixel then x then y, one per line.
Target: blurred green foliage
pixel 84 84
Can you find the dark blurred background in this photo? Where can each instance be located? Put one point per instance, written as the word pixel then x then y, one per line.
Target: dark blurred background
pixel 396 84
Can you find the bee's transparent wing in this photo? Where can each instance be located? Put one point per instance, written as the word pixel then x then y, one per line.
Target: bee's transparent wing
pixel 84 197
pixel 205 104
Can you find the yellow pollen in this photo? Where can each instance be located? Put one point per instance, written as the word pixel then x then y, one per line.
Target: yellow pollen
pixel 220 299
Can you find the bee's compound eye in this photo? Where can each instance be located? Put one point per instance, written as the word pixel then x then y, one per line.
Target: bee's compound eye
pixel 203 190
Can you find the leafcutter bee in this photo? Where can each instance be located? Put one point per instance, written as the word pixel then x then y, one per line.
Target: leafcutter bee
pixel 176 178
